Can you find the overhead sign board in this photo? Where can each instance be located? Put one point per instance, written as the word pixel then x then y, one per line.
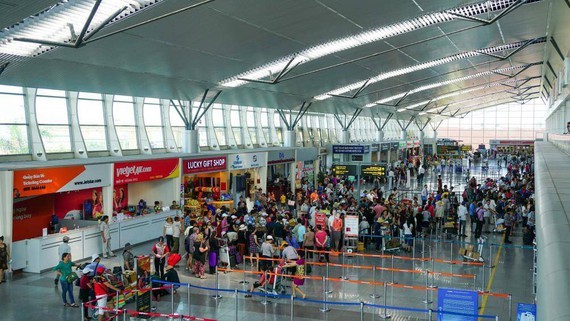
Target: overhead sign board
pixel 350 149
pixel 280 156
pixel 385 147
pixel 372 170
pixel 395 145
pixel 148 170
pixel 245 161
pixel 202 165
pixel 344 170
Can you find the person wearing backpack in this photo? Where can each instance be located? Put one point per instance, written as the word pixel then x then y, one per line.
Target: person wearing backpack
pixel 480 217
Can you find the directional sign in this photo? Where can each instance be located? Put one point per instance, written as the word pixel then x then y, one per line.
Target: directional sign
pixel 344 170
pixel 372 170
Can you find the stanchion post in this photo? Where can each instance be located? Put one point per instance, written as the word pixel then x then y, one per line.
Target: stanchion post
pixel 384 315
pixel 244 281
pixel 427 300
pixel 82 310
pixel 217 296
pixel 343 268
pixel 474 281
pixel 172 299
pixel 189 300
pixel 414 247
pixel 117 306
pixel 423 253
pixel 328 288
pixel 510 307
pixel 430 314
pixel 361 311
pixel 374 295
pixel 265 302
pixel 236 304
pixel 325 307
pixel 292 308
pixel 483 279
pixel 393 269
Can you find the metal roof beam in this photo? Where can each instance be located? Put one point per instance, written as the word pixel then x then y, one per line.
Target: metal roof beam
pixel 555 45
pixel 279 76
pixel 4 66
pixel 503 13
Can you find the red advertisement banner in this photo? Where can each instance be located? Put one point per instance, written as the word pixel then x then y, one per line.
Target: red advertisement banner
pixel 201 165
pixel 141 171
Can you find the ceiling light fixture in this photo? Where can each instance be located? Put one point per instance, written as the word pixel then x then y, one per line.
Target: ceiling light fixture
pixel 367 37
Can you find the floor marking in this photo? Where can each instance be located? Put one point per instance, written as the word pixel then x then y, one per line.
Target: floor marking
pixel 490 283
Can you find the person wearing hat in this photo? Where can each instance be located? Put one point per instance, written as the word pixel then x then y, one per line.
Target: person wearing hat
pixel 95 264
pixel 128 258
pixel 267 251
pixel 85 285
pixel 63 248
pixel 242 239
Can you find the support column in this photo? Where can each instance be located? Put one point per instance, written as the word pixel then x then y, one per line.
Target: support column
pixel 421 136
pixel 77 143
pixel 112 138
pixel 434 143
pixel 380 136
pixel 38 151
pixel 345 136
pixel 190 142
pixel 292 172
pixel 289 138
pixel 7 207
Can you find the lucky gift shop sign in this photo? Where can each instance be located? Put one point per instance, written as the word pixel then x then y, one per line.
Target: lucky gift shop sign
pixel 202 165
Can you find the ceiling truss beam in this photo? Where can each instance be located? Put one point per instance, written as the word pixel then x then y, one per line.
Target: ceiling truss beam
pixel 202 108
pixel 555 44
pixel 503 13
pixel 3 67
pixel 356 93
pixel 77 41
pixel 278 77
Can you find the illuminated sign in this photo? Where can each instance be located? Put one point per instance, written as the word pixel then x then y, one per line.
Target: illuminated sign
pixel 373 170
pixel 344 170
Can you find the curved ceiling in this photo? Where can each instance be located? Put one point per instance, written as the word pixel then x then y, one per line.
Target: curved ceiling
pixel 427 58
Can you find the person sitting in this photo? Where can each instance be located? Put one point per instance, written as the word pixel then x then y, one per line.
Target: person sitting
pixel 261 281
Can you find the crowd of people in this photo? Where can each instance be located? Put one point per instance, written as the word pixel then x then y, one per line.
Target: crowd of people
pixel 289 229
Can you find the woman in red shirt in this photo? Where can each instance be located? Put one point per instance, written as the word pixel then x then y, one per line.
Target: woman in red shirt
pixel 321 241
pixel 101 288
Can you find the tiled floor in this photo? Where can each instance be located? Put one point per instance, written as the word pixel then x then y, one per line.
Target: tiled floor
pixel 34 297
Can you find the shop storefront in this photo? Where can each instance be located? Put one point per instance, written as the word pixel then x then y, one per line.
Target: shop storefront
pixel 73 192
pixel 149 181
pixel 205 179
pixel 279 171
pixel 375 153
pixel 307 167
pixel 247 171
pixel 384 153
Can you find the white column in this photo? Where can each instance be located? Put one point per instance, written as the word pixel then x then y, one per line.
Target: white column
pixel 273 139
pixel 289 138
pixel 77 143
pixel 230 138
pixel 259 128
pixel 292 171
pixel 421 136
pixel 380 136
pixel 190 142
pixel 144 143
pixel 434 143
pixel 244 129
pixel 169 141
pixel 403 135
pixel 38 151
pixel 345 136
pixel 210 132
pixel 112 138
pixel 108 194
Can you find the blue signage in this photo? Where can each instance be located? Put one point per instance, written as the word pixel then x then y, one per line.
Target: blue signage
pixel 457 302
pixel 350 149
pixel 526 312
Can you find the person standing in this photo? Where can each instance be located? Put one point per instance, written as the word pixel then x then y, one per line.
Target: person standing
pixel 267 251
pixel 309 241
pixel 85 286
pixel 177 226
pixel 336 228
pixel 299 278
pixel 4 258
pixel 128 258
pixel 160 251
pixel 509 221
pixel 106 236
pixel 64 272
pixel 168 231
pixel 480 216
pixel 321 241
pixel 101 288
pixel 63 248
pixel 200 257
pixel 462 214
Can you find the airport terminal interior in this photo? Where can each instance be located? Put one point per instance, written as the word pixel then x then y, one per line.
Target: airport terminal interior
pixel 284 160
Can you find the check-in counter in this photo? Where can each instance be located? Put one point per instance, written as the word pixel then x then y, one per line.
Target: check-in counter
pixel 41 252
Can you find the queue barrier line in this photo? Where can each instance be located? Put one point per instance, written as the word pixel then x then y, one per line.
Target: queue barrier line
pixel 398 257
pixel 524 247
pixel 370 267
pixel 499 295
pixel 394 285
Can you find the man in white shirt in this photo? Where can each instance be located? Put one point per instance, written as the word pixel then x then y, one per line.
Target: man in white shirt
pixel 390 178
pixel 177 228
pixel 106 236
pixel 462 214
pixel 421 173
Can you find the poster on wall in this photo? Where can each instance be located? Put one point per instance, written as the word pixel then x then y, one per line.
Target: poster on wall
pixel 30 182
pixel 120 198
pixel 31 215
pixel 141 171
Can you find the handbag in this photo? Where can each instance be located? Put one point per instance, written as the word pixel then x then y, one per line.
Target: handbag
pixel 71 277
